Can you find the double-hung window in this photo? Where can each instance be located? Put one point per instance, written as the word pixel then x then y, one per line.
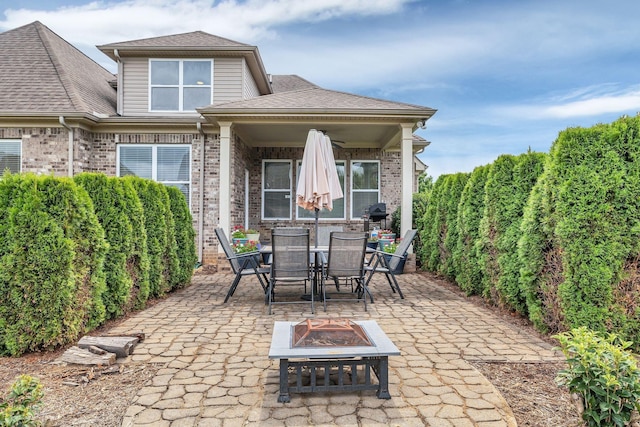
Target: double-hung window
pixel 180 85
pixel 167 164
pixel 338 211
pixel 10 155
pixel 276 189
pixel 365 186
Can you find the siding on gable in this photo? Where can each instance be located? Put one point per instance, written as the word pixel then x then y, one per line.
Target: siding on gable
pixel 136 86
pixel 227 79
pixel 249 87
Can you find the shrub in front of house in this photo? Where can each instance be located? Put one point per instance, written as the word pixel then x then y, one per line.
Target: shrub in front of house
pixel 138 264
pixel 108 202
pixel 432 227
pixel 579 248
pixel 184 236
pixel 466 254
pixel 161 243
pixel 51 263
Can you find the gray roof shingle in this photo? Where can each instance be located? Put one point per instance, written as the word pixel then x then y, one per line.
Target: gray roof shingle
pixel 192 39
pixel 43 73
pixel 316 98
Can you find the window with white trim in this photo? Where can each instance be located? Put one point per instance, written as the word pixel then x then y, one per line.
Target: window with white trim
pixel 276 189
pixel 180 85
pixel 168 164
pixel 10 155
pixel 365 186
pixel 338 211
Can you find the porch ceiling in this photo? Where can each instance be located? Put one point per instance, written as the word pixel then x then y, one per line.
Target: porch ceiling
pixel 345 134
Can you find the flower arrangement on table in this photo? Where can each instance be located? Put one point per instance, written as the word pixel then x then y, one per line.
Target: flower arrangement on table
pixel 390 248
pixel 241 248
pixel 239 232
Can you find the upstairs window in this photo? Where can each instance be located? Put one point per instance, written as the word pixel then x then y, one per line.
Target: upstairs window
pixel 180 85
pixel 10 156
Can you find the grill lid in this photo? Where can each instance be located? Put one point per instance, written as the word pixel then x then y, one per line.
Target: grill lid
pixel 329 333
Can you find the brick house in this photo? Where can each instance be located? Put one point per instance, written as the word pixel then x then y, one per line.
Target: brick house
pixel 201 113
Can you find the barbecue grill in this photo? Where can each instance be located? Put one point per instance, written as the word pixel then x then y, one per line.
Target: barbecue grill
pixel 376 213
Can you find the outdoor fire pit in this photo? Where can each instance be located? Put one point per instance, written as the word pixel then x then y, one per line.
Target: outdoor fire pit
pixel 332 355
pixel 329 333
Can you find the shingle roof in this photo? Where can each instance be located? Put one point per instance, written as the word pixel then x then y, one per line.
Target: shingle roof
pixel 286 83
pixel 41 72
pixel 192 39
pixel 316 98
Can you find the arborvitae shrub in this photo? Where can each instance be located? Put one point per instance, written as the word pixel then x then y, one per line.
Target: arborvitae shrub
pixel 155 212
pixel 171 262
pixel 433 227
pixel 51 263
pixel 456 185
pixel 498 192
pixel 526 172
pixel 466 255
pixel 184 236
pixel 589 210
pixel 440 228
pixel 138 264
pixel 108 200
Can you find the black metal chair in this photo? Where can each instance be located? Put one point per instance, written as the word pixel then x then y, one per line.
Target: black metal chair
pixel 387 263
pixel 290 264
pixel 345 262
pixel 244 264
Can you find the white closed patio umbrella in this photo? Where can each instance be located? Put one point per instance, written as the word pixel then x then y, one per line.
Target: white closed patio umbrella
pixel 318 183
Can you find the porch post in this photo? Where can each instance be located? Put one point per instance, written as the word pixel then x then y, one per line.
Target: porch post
pixel 406 217
pixel 224 191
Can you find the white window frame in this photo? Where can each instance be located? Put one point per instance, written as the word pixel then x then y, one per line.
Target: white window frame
pixel 14 141
pixel 320 217
pixel 264 190
pixel 354 191
pixel 181 86
pixel 154 164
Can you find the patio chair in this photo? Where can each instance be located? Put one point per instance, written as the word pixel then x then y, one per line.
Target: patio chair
pixel 345 262
pixel 244 264
pixel 290 264
pixel 387 263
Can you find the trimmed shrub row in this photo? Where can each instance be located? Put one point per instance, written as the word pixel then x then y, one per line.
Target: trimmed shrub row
pixel 554 237
pixel 76 254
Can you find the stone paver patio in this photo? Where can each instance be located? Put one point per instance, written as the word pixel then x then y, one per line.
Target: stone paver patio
pixel 214 369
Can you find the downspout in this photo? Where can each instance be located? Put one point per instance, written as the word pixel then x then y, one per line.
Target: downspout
pixel 201 196
pixel 64 124
pixel 120 84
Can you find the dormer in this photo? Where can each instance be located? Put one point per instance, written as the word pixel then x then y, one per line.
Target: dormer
pixel 174 75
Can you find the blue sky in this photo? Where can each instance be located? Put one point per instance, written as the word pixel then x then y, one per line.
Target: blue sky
pixel 505 76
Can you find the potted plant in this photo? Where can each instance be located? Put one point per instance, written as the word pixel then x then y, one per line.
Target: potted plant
pixel 244 247
pixel 387 234
pixel 252 234
pixel 372 242
pixel 239 235
pixel 390 248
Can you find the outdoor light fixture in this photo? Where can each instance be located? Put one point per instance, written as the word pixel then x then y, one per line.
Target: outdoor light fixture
pixel 422 123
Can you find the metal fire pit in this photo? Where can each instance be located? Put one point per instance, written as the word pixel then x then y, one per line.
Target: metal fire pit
pixel 329 333
pixel 335 355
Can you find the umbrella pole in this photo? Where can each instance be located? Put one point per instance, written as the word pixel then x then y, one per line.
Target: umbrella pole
pixel 317 215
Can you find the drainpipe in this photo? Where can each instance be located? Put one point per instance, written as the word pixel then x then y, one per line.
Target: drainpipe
pixel 64 124
pixel 120 79
pixel 201 196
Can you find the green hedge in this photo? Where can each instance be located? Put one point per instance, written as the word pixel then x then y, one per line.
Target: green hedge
pixel 584 218
pixel 51 264
pixel 466 254
pixel 184 237
pixel 440 232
